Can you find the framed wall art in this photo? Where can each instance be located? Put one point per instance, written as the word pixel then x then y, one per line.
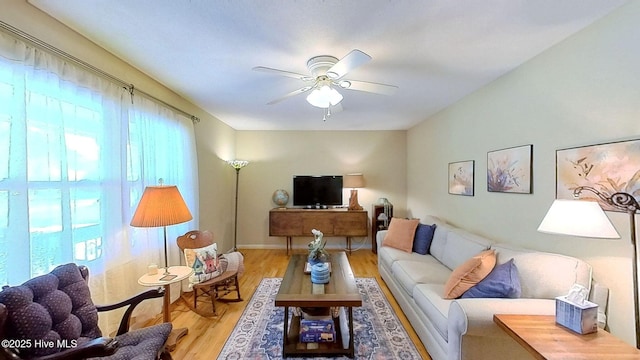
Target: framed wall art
pixel 461 178
pixel 510 170
pixel 606 168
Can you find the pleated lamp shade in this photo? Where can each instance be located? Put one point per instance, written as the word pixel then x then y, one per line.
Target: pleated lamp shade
pixel 161 206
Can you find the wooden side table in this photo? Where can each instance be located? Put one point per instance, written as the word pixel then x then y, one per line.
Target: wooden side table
pixel 544 339
pixel 181 272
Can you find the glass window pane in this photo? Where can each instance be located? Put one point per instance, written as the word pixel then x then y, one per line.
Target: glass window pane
pixel 47 252
pixel 45 211
pixel 85 208
pixel 5 132
pixel 43 149
pixel 83 157
pixel 4 211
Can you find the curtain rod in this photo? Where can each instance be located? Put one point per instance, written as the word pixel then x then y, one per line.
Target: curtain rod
pixel 54 50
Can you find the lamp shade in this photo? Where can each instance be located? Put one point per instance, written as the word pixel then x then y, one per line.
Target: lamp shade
pixel 161 206
pixel 238 164
pixel 578 218
pixel 353 181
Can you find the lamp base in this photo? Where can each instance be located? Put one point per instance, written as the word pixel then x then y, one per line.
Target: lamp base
pixel 353 201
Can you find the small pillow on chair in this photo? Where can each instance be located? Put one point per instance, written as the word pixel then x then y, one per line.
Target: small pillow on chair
pixel 204 262
pixel 469 273
pixel 400 234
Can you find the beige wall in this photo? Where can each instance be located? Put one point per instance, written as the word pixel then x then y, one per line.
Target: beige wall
pixel 215 140
pixel 276 156
pixel 583 91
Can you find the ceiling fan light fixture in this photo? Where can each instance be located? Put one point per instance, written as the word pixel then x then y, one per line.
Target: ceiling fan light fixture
pixel 324 97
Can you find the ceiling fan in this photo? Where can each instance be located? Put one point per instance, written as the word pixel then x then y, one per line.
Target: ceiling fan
pixel 326 74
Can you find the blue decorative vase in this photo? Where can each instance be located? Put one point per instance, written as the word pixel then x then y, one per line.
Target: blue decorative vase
pixel 320 273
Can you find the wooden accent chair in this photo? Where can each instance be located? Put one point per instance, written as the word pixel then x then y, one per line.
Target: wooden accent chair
pixel 53 317
pixel 219 286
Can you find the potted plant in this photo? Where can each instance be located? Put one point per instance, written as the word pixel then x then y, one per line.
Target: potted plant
pixel 317 253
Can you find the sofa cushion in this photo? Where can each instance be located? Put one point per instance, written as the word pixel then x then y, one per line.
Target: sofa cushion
pixel 401 233
pixel 502 282
pixel 469 273
pixel 429 300
pixel 545 275
pixel 460 246
pixel 423 238
pixel 387 256
pixel 439 240
pixel 426 271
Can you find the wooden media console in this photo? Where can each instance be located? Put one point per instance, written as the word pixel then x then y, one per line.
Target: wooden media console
pixel 290 222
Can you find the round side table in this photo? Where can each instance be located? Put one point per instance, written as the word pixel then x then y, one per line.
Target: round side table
pixel 180 273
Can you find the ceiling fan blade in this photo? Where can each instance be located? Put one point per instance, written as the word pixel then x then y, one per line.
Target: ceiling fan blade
pixel 283 73
pixel 291 94
pixel 351 61
pixel 376 88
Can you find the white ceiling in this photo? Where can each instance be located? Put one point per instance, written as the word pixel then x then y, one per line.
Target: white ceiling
pixel 435 51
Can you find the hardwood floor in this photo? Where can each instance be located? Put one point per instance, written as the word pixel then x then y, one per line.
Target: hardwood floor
pixel 207 335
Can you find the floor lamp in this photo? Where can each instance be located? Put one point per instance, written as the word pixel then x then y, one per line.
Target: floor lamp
pixel 236 164
pixel 586 218
pixel 161 206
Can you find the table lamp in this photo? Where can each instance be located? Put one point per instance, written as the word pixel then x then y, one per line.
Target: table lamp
pixel 161 206
pixel 353 181
pixel 587 219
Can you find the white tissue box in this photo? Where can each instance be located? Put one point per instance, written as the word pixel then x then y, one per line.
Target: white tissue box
pixel 581 318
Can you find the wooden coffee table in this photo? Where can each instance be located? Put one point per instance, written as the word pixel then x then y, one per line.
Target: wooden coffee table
pixel 297 290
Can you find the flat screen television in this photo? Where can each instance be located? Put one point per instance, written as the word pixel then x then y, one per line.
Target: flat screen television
pixel 317 191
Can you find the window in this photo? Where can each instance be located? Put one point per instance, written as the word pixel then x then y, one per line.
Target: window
pixel 75 155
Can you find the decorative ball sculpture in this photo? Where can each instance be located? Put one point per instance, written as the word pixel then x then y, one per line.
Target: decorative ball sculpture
pixel 280 197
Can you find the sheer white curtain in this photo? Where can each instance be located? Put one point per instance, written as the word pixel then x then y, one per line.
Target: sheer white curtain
pixel 76 151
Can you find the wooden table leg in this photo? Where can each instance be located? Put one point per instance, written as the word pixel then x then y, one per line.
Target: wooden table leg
pixel 285 335
pixel 351 340
pixel 176 334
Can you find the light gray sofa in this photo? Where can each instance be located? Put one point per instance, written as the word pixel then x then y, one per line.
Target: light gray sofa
pixel 464 328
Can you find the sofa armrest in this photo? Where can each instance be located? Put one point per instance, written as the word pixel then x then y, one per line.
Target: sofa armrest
pixel 379 237
pixel 475 316
pixel 600 295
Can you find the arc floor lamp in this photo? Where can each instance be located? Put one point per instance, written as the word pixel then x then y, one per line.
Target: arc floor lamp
pixel 586 218
pixel 237 165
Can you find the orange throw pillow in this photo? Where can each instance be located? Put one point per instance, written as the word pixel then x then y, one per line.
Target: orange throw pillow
pixel 470 273
pixel 400 234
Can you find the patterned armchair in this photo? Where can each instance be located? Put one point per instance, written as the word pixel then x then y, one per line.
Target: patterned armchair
pixel 53 317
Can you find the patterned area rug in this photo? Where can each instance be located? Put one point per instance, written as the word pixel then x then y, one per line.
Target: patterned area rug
pixel 378 333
